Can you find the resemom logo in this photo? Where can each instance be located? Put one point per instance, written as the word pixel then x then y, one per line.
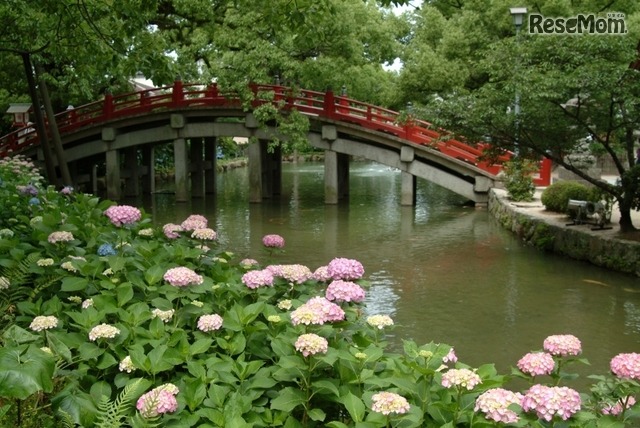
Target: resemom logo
pixel 612 24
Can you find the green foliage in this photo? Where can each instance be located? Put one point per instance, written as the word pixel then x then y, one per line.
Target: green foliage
pixel 248 371
pixel 519 180
pixel 556 196
pixel 112 413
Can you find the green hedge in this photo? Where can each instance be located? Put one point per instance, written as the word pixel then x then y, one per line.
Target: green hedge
pixel 556 197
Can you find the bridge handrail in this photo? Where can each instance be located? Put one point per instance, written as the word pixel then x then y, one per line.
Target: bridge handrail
pixel 314 103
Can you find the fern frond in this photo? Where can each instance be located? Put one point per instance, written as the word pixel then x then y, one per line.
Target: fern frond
pixel 66 419
pixel 19 274
pixel 112 413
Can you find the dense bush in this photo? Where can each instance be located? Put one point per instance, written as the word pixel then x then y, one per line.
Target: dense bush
pixel 111 321
pixel 556 196
pixel 518 174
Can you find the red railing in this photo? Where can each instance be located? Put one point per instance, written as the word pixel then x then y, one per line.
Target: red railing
pixel 322 104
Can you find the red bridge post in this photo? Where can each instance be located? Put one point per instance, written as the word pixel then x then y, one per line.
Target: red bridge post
pixel 107 109
pixel 177 93
pixel 329 104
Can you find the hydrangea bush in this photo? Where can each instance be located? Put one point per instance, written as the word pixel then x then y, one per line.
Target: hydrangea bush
pixel 110 320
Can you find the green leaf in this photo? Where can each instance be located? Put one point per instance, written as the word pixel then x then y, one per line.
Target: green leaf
pixel 89 351
pixel 200 346
pixel 125 293
pixel 24 371
pixel 154 274
pixel 325 387
pixel 58 347
pixel 194 393
pixel 157 361
pixel 288 399
pixel 16 335
pixel 100 389
pixel 73 283
pixel 354 405
pixel 77 404
pixel 317 415
pixel 106 361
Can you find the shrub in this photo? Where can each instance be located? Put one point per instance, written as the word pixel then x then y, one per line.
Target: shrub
pixel 519 179
pixel 556 197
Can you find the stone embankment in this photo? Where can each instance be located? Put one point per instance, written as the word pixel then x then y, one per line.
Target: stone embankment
pixel 550 231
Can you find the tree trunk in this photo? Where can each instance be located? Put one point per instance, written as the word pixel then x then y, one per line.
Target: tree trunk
pixel 53 127
pixel 40 126
pixel 624 205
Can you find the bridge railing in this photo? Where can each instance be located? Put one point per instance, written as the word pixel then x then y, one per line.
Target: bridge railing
pixel 323 104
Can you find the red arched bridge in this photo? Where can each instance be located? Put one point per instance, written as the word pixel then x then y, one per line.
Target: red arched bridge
pixel 192 116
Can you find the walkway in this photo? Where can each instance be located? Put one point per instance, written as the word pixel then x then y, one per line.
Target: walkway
pixel 608 248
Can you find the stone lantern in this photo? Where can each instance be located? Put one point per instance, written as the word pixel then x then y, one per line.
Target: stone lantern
pixel 20 112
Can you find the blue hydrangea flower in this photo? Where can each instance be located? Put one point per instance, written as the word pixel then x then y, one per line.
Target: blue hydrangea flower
pixel 34 201
pixel 106 250
pixel 29 189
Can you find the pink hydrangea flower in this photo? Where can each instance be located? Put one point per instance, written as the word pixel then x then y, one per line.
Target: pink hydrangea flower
pixel 171 230
pixel 450 357
pixel 562 345
pixel 463 378
pixel 548 402
pixel 204 233
pixel 347 269
pixel 158 401
pixel 388 403
pixel 273 241
pixel 344 291
pixel 182 276
pixel 494 403
pixel 122 214
pixel 296 274
pixel 311 344
pixel 258 278
pixel 626 366
pixel 194 221
pixel 248 263
pixel 209 322
pixel 317 310
pixel 536 364
pixel 60 236
pixel 322 274
pixel 619 406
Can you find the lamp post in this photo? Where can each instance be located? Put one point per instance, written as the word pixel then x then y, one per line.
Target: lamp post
pixel 517 13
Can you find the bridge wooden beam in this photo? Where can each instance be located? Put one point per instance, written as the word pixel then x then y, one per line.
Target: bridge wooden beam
pixel 336 176
pixel 197 167
pixel 210 158
pixel 180 169
pixel 112 160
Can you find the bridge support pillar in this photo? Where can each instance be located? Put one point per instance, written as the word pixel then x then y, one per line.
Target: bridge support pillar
pixel 197 168
pixel 271 170
pixel 408 189
pixel 265 171
pixel 255 172
pixel 132 177
pixel 112 160
pixel 149 161
pixel 336 176
pixel 210 158
pixel 180 166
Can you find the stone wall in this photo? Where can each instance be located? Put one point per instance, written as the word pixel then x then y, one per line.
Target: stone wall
pixel 578 243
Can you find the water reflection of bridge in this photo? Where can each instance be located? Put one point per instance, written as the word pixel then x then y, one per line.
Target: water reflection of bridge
pixel 122 132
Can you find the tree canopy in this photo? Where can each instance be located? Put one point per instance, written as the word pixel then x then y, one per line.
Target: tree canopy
pixel 572 91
